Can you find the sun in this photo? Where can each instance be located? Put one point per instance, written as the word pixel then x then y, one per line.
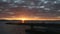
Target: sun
pixel 23 19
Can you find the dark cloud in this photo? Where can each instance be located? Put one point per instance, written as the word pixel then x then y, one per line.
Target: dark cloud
pixel 34 8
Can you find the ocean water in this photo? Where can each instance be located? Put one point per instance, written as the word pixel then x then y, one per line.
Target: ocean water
pixel 20 29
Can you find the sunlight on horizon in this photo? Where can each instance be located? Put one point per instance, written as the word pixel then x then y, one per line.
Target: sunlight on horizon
pixel 26 19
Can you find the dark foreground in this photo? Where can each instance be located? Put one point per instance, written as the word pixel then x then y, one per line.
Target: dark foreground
pixel 29 27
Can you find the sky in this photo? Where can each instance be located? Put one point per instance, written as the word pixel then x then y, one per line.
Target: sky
pixel 30 9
